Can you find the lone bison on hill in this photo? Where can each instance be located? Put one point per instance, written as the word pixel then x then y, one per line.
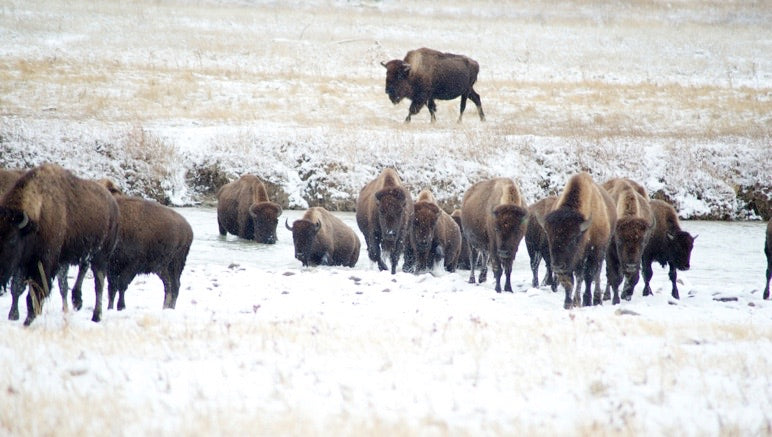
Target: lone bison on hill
pixel 579 230
pixel 383 212
pixel 435 235
pixel 320 238
pixel 493 215
pixel 635 221
pixel 768 252
pixel 152 239
pixel 668 245
pixel 52 218
pixel 536 241
pixel 244 210
pixel 425 75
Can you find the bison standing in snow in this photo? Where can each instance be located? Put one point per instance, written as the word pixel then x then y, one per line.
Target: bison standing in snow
pixel 435 235
pixel 536 241
pixel 244 210
pixel 320 238
pixel 425 75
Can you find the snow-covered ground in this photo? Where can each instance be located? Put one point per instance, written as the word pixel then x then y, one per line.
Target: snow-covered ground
pixel 260 345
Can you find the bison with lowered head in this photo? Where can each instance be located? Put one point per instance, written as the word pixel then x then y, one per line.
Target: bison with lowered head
pixel 52 218
pixel 536 241
pixel 152 239
pixel 244 210
pixel 635 220
pixel 579 230
pixel 435 235
pixel 425 75
pixel 320 238
pixel 668 244
pixel 383 212
pixel 493 215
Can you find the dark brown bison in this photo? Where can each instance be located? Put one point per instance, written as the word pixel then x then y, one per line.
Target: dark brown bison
pixel 536 241
pixel 668 244
pixel 435 235
pixel 52 218
pixel 635 221
pixel 152 239
pixel 320 238
pixel 244 210
pixel 579 230
pixel 383 212
pixel 768 252
pixel 425 75
pixel 494 215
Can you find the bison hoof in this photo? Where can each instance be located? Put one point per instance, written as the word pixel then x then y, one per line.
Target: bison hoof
pixel 28 320
pixel 615 301
pixel 568 304
pixel 13 315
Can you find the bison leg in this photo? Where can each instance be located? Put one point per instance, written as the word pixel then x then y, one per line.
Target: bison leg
pixel 496 265
pixel 647 274
pixel 99 284
pixel 432 109
pixel 483 258
pixel 462 107
pixel 673 275
pixel 475 98
pixel 631 279
pixel 374 252
pixel 17 288
pixel 535 261
pixel 769 275
pixel 508 274
pixel 567 281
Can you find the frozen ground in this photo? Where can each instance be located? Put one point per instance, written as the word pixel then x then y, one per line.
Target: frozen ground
pixel 259 345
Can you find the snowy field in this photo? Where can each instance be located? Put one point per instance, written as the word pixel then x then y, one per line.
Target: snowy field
pixel 260 345
pixel 171 98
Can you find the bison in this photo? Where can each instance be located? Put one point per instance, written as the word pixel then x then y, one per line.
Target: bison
pixel 609 184
pixel 536 241
pixel 383 212
pixel 493 216
pixel 320 238
pixel 579 229
pixel 668 244
pixel 435 236
pixel 52 218
pixel 244 210
pixel 425 75
pixel 635 220
pixel 768 252
pixel 153 239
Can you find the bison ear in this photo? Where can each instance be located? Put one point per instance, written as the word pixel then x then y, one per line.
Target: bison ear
pixel 585 225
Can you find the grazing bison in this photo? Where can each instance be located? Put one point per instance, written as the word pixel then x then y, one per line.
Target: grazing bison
pixel 494 215
pixel 635 220
pixel 579 230
pixel 244 210
pixel 383 212
pixel 536 241
pixel 668 244
pixel 425 75
pixel 320 238
pixel 435 236
pixel 152 239
pixel 52 218
pixel 768 252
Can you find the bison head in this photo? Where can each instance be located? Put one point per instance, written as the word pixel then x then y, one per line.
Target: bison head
pixel 397 84
pixel 303 236
pixel 392 204
pixel 265 216
pixel 631 235
pixel 681 244
pixel 566 233
pixel 15 226
pixel 425 218
pixel 508 229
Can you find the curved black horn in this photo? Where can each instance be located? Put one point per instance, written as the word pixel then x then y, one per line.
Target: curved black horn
pixel 384 64
pixel 24 220
pixel 286 224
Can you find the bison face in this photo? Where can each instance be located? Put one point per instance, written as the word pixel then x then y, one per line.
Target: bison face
pixel 426 216
pixel 566 234
pixel 631 236
pixel 391 203
pixel 265 216
pixel 397 84
pixel 303 237
pixel 508 226
pixel 15 226
pixel 681 244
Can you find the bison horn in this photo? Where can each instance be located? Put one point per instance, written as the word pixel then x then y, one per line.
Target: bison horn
pixel 585 225
pixel 24 220
pixel 286 224
pixel 317 226
pixel 384 64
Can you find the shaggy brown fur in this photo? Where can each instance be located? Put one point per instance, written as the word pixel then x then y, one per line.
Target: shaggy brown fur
pixel 435 235
pixel 609 184
pixel 668 244
pixel 579 230
pixel 52 218
pixel 493 216
pixel 536 241
pixel 8 178
pixel 320 238
pixel 425 75
pixel 635 221
pixel 383 212
pixel 244 210
pixel 152 239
